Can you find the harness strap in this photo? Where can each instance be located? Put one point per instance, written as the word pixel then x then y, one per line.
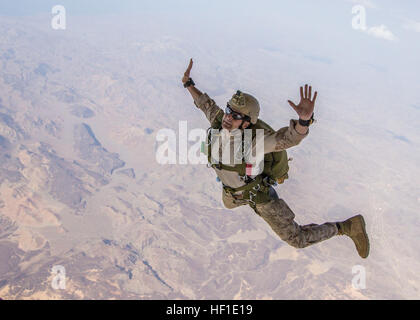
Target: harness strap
pixel 249 186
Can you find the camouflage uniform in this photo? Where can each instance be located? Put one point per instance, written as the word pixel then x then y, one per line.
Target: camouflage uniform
pixel 275 212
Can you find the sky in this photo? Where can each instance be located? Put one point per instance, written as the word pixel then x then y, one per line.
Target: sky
pixel 404 9
pixel 391 21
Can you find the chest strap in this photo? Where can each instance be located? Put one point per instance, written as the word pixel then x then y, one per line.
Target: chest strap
pixel 253 185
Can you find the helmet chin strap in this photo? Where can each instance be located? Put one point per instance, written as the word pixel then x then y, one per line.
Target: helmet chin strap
pixel 240 127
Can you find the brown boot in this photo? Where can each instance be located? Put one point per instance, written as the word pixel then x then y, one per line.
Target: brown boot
pixel 355 228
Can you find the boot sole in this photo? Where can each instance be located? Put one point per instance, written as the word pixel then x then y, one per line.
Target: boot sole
pixel 363 227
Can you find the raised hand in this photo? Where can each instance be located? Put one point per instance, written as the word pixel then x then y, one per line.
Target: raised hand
pixel 187 73
pixel 306 106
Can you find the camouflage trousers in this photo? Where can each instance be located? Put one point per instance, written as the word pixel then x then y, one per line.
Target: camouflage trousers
pixel 280 217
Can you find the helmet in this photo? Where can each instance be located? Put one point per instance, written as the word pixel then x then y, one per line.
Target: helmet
pixel 245 104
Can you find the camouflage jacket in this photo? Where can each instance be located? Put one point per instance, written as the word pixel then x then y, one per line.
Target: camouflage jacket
pixel 279 140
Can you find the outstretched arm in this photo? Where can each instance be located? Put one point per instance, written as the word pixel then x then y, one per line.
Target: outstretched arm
pixel 201 100
pixel 195 93
pixel 293 134
pixel 305 108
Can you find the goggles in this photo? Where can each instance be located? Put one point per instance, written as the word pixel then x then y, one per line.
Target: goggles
pixel 236 115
